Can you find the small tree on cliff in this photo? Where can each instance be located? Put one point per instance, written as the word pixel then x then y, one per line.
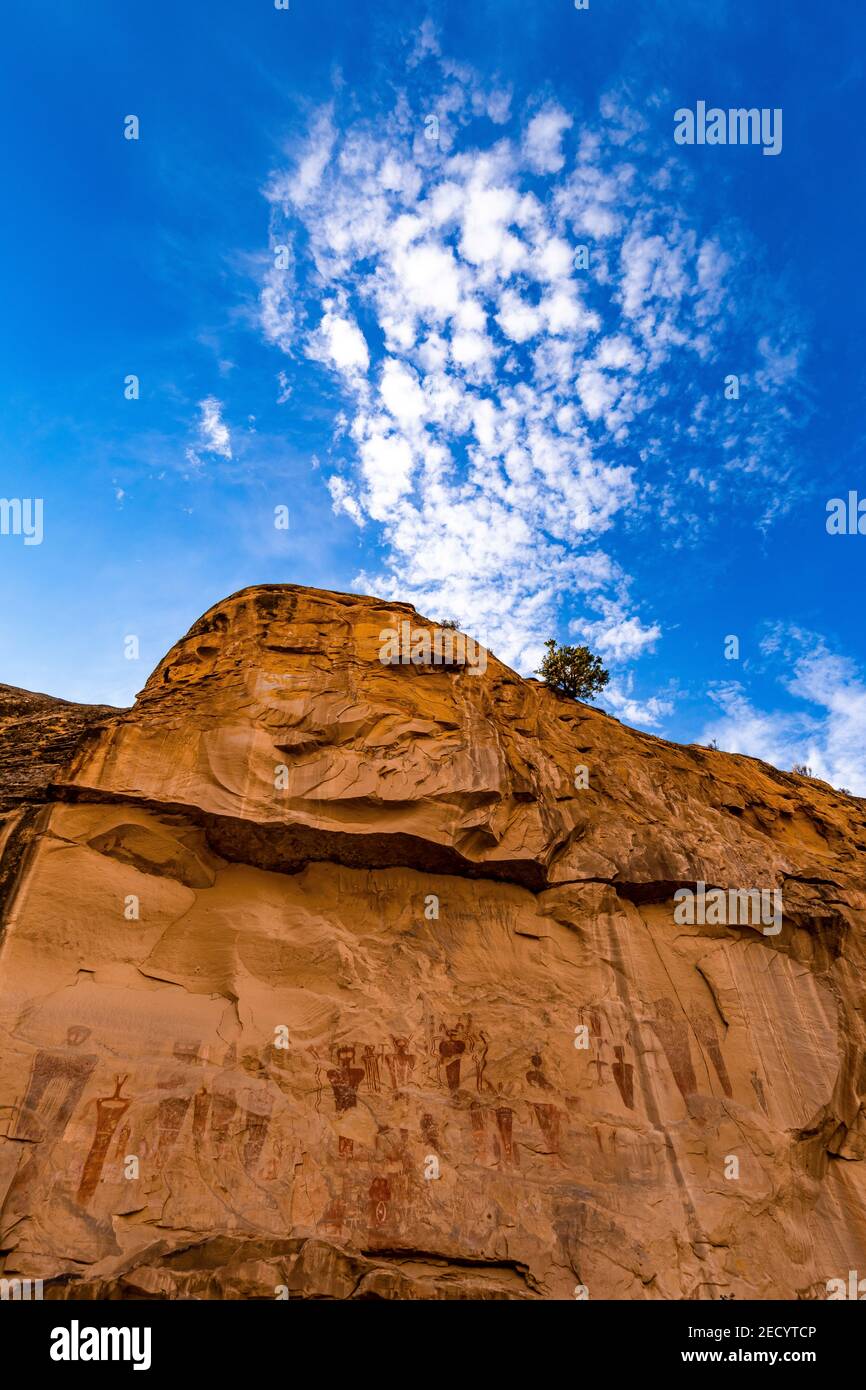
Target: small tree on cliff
pixel 573 670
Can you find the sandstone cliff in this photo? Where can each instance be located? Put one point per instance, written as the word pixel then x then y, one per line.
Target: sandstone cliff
pixel 328 977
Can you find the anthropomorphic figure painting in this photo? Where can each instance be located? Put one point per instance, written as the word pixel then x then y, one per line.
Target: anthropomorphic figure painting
pixel 345 1079
pixel 109 1112
pixel 401 1063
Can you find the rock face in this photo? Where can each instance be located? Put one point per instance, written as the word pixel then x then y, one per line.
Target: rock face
pixel 326 978
pixel 38 737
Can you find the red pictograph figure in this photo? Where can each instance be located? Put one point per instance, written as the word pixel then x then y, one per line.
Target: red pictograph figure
pixel 345 1079
pixel 451 1050
pixel 380 1196
pixel 401 1063
pixel 109 1112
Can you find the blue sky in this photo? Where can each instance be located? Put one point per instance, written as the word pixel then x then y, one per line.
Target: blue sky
pixel 455 411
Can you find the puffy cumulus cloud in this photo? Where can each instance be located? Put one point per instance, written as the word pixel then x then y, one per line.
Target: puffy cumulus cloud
pixel 505 404
pixel 518 318
pixel 386 465
pixel 649 713
pixel 622 639
pixel 213 435
pixel 340 343
pixel 542 142
pixel 827 732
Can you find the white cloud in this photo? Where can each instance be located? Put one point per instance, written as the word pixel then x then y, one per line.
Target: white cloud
pixel 340 342
pixel 648 714
pixel 426 44
pixel 299 186
pixel 826 731
pixel 624 639
pixel 543 139
pixel 386 463
pixel 779 367
pixel 214 436
pixel 401 395
pixel 429 278
pixel 518 319
pixel 512 414
pixel 499 106
pixel 344 501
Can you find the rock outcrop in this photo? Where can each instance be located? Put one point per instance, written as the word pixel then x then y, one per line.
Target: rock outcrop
pixel 327 978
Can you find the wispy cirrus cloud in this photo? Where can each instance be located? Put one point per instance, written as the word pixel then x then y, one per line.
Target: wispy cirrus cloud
pixel 824 730
pixel 213 434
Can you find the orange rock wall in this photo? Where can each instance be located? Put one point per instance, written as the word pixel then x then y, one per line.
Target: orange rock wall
pixel 325 977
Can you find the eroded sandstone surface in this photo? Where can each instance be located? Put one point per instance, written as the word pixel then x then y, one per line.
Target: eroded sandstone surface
pixel 296 953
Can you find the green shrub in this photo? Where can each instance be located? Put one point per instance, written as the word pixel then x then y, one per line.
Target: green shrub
pixel 573 670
